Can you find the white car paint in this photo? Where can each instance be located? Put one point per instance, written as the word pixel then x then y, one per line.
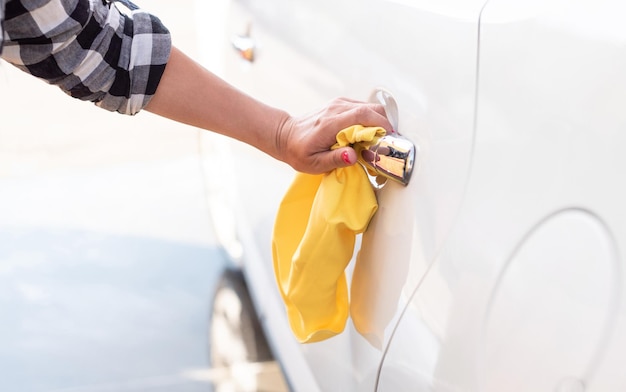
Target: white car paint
pixel 532 271
pixel 498 267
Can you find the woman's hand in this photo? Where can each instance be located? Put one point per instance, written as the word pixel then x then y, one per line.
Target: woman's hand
pixel 304 142
pixel 190 94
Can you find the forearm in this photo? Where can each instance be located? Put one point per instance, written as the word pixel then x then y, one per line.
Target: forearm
pixel 190 94
pixel 93 55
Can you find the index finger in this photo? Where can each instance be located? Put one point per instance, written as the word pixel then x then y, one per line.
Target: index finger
pixel 366 114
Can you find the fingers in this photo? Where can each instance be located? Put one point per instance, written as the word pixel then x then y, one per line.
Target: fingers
pixel 309 139
pixel 340 114
pixel 349 112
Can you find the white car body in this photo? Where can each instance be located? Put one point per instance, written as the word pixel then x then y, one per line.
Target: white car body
pixel 499 267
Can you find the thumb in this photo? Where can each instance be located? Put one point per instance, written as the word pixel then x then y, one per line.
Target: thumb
pixel 341 157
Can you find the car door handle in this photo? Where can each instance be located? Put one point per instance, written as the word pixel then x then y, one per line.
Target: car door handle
pixel 393 157
pixel 244 44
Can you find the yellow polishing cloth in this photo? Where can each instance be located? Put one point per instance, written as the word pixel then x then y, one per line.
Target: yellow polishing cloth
pixel 313 240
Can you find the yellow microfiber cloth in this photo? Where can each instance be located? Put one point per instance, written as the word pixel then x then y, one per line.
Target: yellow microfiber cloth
pixel 314 236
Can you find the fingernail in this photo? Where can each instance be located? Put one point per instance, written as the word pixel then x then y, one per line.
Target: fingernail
pixel 346 157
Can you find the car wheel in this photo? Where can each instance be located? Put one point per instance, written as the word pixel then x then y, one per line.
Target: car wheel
pixel 236 339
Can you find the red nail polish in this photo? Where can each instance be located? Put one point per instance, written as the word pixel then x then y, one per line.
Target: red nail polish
pixel 346 157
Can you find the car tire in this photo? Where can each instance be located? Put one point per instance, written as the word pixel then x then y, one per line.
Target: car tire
pixel 235 333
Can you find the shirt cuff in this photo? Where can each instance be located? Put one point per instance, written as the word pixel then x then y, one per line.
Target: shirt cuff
pixel 144 51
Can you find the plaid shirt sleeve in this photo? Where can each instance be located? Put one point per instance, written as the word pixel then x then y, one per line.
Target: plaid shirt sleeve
pixel 97 50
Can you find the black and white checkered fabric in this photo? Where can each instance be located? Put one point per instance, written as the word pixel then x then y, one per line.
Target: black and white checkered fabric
pixel 1 24
pixel 94 50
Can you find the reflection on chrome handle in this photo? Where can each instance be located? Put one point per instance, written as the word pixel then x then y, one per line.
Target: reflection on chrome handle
pixel 392 157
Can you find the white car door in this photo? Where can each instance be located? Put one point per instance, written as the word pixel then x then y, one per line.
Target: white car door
pixel 423 55
pixel 527 293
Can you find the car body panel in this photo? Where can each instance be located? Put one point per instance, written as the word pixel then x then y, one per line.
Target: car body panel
pixel 527 293
pixel 498 267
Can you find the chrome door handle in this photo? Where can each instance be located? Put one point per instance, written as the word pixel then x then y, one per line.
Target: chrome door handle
pixel 392 157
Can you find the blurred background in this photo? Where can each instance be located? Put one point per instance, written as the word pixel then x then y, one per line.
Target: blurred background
pixel 108 259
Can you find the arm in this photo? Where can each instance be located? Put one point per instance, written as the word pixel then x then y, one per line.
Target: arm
pixel 190 94
pixel 90 50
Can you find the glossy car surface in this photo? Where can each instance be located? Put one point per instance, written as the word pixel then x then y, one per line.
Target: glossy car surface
pixel 498 268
